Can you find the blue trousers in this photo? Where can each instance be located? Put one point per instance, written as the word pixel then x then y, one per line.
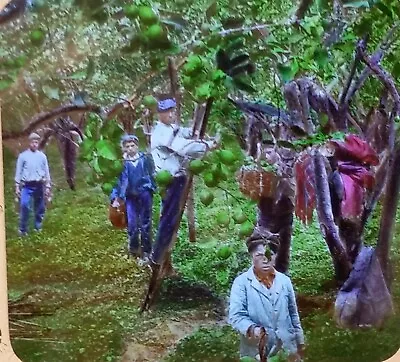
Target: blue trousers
pixel 35 191
pixel 138 212
pixel 168 219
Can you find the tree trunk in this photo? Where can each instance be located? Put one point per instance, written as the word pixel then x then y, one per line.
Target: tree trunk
pixel 277 217
pixel 326 220
pixel 389 215
pixel 191 216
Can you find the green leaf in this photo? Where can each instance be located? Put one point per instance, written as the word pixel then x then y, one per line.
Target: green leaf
pixel 86 148
pixel 52 93
pixel 109 168
pixel 382 7
pixel 94 163
pixel 112 130
pixel 321 57
pixel 288 71
pixel 396 70
pixel 107 150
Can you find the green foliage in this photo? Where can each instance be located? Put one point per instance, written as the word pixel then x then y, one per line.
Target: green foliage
pixel 101 149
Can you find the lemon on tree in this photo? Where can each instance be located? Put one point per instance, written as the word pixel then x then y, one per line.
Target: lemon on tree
pixel 164 178
pixel 239 217
pixel 155 32
pixel 147 15
pixel 107 188
pixel 131 11
pixel 224 252
pixel 223 218
pixel 206 197
pixel 150 102
pixel 246 229
pixel 37 36
pixel 227 157
pixel 210 180
pixel 196 166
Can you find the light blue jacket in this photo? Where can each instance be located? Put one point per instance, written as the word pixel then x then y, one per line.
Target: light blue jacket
pixel 275 309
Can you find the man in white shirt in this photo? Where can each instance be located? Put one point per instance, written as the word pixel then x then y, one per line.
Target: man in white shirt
pixel 172 149
pixel 32 180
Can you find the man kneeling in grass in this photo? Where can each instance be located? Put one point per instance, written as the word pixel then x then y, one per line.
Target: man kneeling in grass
pixel 263 300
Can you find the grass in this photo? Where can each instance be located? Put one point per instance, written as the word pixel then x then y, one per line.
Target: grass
pixel 77 269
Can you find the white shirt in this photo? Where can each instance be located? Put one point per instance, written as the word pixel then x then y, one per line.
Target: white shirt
pixel 32 166
pixel 171 152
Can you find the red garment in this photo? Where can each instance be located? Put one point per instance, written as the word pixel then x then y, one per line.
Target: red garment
pixel 354 157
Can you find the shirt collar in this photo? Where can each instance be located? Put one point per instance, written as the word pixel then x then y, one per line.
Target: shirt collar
pixel 266 280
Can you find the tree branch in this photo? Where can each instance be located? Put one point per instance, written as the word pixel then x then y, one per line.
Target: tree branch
pixel 376 58
pixel 45 117
pixel 389 215
pixel 326 220
pixel 382 75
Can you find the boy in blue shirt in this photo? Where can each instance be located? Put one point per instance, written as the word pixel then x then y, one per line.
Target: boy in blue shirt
pixel 136 187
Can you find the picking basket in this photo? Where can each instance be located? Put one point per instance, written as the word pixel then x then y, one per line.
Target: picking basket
pixel 256 183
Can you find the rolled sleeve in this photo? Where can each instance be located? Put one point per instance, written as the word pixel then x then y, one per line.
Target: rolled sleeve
pixel 238 314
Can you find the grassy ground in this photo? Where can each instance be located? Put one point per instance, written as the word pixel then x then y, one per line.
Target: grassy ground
pixel 77 271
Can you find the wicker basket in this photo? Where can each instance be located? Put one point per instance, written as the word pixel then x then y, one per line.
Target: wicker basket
pixel 257 183
pixel 117 216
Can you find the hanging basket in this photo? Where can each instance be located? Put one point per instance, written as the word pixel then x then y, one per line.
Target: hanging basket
pixel 117 215
pixel 256 183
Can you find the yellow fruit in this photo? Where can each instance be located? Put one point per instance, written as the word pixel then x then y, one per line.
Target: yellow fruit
pixel 147 15
pixel 164 178
pixel 206 197
pixel 224 252
pixel 223 218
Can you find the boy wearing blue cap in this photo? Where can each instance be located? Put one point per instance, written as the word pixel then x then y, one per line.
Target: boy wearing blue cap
pixel 136 187
pixel 172 148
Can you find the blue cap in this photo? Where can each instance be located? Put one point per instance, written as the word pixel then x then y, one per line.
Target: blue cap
pixel 166 104
pixel 129 138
